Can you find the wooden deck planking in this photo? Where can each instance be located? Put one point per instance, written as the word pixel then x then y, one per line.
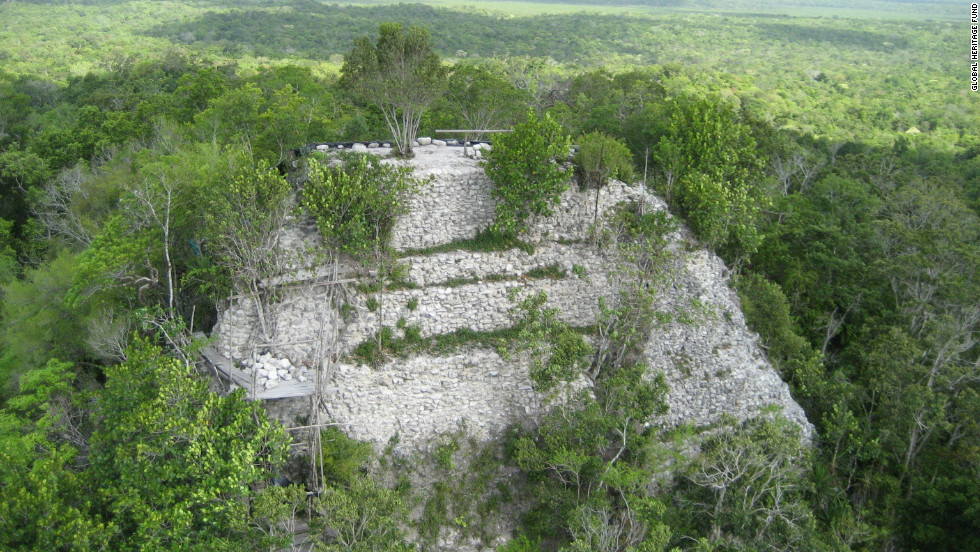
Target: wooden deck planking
pixel 229 372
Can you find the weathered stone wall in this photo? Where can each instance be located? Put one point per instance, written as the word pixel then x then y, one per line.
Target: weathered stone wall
pixel 426 396
pixel 484 305
pixel 294 326
pixel 453 205
pixel 711 361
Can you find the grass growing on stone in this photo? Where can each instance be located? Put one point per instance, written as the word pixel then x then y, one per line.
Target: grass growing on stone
pixel 465 498
pixel 376 287
pixel 385 345
pixel 485 242
pixel 552 271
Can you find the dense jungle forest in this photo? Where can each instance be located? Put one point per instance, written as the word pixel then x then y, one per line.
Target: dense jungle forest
pixel 828 151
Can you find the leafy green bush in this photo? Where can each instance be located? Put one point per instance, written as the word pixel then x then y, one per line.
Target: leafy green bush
pixel 768 311
pixel 601 157
pixel 525 166
pixel 343 457
pixel 445 452
pixel 355 203
pixel 559 352
pixel 521 544
pixel 714 157
pixel 360 516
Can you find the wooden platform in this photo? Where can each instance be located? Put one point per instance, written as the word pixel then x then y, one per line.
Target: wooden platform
pixel 227 370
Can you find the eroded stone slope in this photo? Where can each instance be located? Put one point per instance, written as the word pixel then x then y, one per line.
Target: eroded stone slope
pixel 711 361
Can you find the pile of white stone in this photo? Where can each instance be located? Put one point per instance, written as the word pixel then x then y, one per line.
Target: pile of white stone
pixel 270 371
pixel 470 149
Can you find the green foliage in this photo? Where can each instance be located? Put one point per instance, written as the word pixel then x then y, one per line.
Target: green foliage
pixel 277 512
pixel 412 304
pixel 552 271
pixel 485 241
pixel 520 544
pixel 375 351
pixel 526 168
pixel 601 157
pixel 342 458
pixel 463 498
pixel 37 324
pixel 364 516
pixel 714 158
pixel 174 463
pixel 480 98
pixel 42 497
pixel 942 514
pixel 587 463
pixel 355 204
pixel 767 311
pixel 864 288
pixel 444 454
pixel 624 324
pixel 385 345
pixel 435 513
pixel 372 304
pixel 243 211
pixel 558 353
pixel 746 488
pixel 400 74
pixel 635 230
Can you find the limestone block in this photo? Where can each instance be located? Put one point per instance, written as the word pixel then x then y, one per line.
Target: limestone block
pixel 425 141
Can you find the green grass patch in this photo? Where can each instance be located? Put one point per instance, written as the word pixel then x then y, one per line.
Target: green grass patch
pixel 485 242
pixel 552 271
pixel 368 287
pixel 402 284
pixel 385 345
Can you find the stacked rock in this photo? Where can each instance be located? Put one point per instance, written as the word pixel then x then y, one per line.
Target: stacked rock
pixel 271 370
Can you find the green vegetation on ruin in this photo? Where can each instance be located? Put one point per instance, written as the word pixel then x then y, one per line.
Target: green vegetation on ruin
pixel 828 151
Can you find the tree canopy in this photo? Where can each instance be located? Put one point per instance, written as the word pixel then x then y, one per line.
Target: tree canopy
pixel 400 74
